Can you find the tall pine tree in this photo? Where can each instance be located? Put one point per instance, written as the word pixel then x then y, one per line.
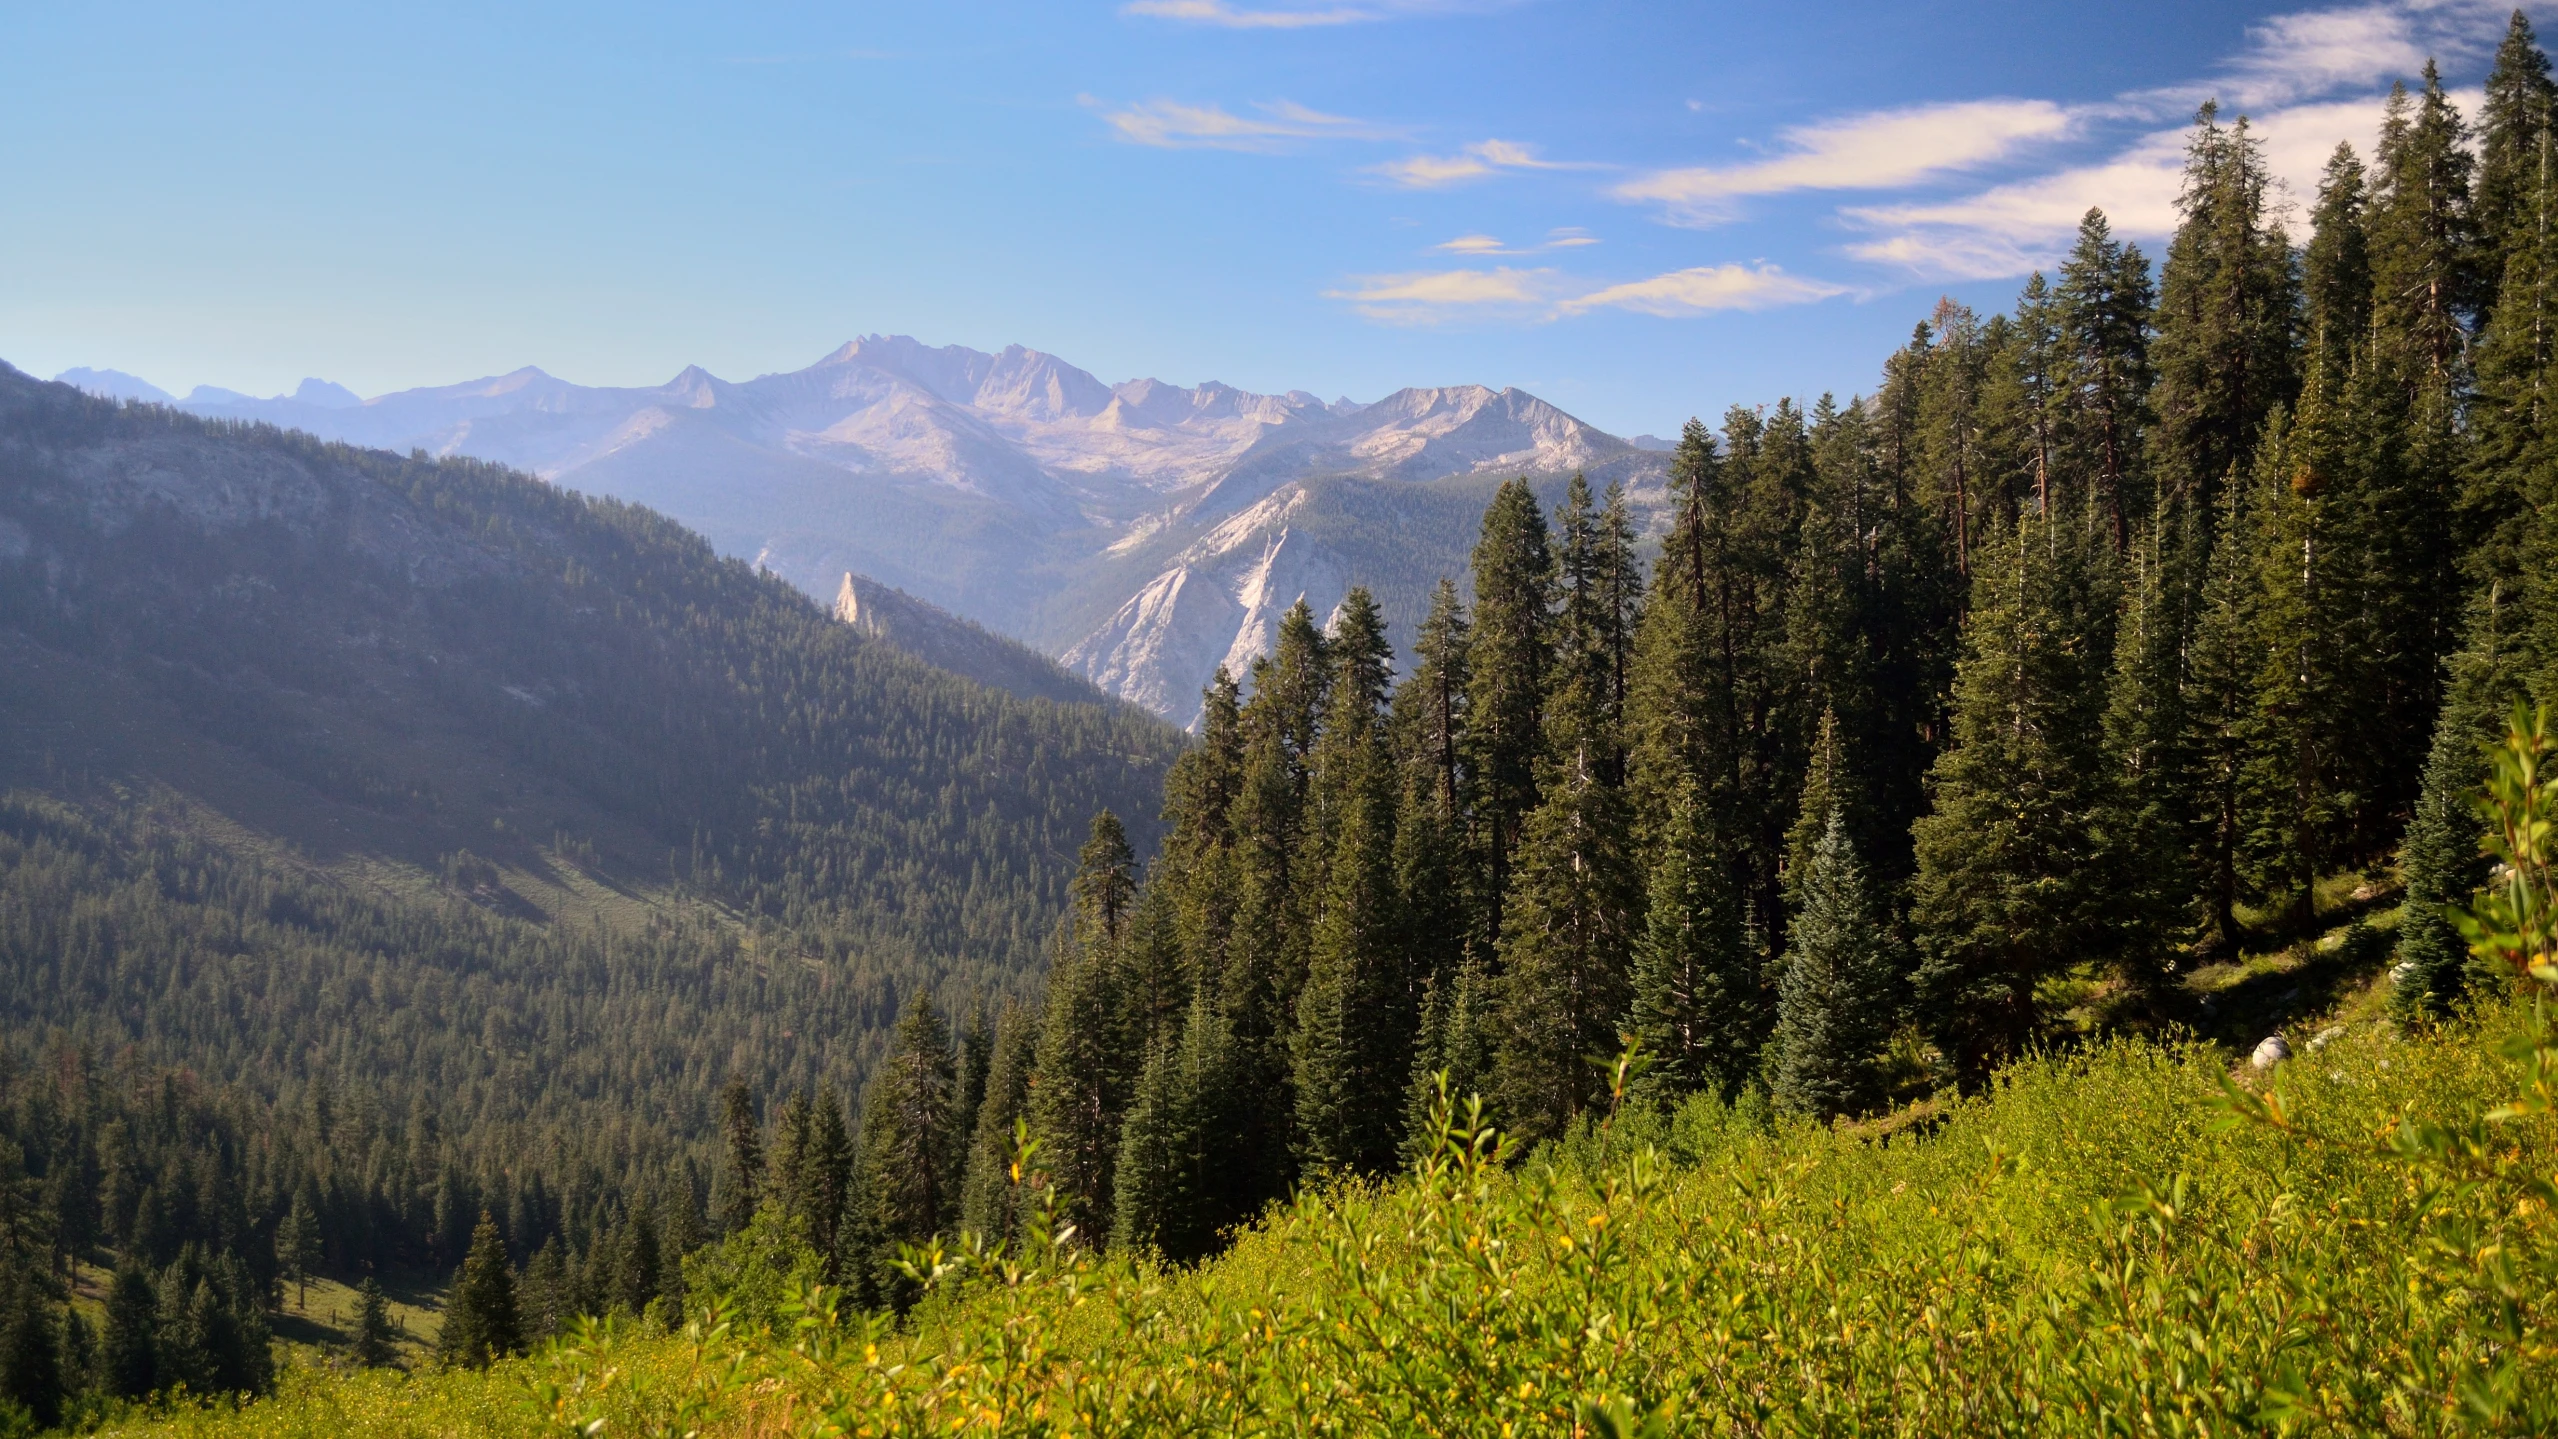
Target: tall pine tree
pixel 1838 996
pixel 2002 898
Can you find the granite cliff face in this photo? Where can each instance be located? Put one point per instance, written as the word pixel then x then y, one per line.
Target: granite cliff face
pixel 1142 532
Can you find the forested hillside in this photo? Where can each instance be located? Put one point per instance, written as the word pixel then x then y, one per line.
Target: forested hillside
pixel 392 838
pixel 2150 634
pixel 2106 640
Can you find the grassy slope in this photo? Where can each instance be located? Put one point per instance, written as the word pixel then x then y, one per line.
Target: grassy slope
pixel 2083 1249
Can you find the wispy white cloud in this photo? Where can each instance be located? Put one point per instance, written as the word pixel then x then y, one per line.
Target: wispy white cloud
pixel 1706 289
pixel 2009 229
pixel 1230 16
pixel 2279 78
pixel 1880 150
pixel 1474 162
pixel 2308 53
pixel 1281 125
pixel 1430 296
pixel 1569 237
pixel 1540 295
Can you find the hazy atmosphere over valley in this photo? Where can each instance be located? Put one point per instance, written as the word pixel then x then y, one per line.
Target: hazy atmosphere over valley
pixel 1280 718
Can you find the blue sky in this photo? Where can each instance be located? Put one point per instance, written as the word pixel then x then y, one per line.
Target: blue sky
pixel 1638 211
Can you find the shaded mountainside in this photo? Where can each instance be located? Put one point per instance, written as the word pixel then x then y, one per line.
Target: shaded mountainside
pixel 1141 531
pixel 938 637
pixel 445 675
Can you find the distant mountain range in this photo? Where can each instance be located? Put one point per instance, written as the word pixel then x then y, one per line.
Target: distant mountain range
pixel 1141 532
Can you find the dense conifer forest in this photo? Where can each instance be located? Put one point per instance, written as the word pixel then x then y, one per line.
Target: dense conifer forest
pixel 395 839
pixel 2161 621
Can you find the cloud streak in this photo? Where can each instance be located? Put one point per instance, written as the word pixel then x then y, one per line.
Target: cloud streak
pixel 1706 289
pixel 2308 53
pixel 2279 76
pixel 1281 125
pixel 2009 229
pixel 1881 150
pixel 1542 295
pixel 1227 16
pixel 1568 238
pixel 1474 162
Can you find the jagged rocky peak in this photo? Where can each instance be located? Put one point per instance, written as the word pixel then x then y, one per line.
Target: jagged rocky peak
pixel 1019 380
pixel 328 394
pixel 1038 386
pixel 696 387
pixel 848 603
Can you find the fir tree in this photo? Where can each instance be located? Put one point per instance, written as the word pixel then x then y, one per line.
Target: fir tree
pixel 679 1233
pixel 1718 700
pixel 1080 1100
pixel 1837 996
pixel 1566 930
pixel 907 1180
pixel 2105 302
pixel 792 1172
pixel 30 1346
pixel 1676 708
pixel 2442 864
pixel 2228 309
pixel 1196 868
pixel 1459 1038
pixel 1953 448
pixel 1600 588
pixel 986 1203
pixel 1256 991
pixel 1884 655
pixel 2336 270
pixel 1173 1199
pixel 1825 793
pixel 129 1348
pixel 1432 873
pixel 374 1347
pixel 2145 832
pixel 297 1247
pixel 1151 1195
pixel 1155 978
pixel 547 1297
pixel 2000 900
pixel 79 1354
pixel 480 1319
pixel 637 1261
pixel 827 1179
pixel 740 1188
pixel 1506 659
pixel 2219 708
pixel 1698 1005
pixel 975 1059
pixel 2426 291
pixel 2513 134
pixel 1349 1044
pixel 211 1333
pixel 2423 236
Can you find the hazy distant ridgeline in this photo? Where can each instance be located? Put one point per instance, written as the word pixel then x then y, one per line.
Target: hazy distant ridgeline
pixel 1144 532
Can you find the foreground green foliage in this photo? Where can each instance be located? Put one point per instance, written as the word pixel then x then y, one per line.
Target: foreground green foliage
pixel 2096 1246
pixel 2128 1240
